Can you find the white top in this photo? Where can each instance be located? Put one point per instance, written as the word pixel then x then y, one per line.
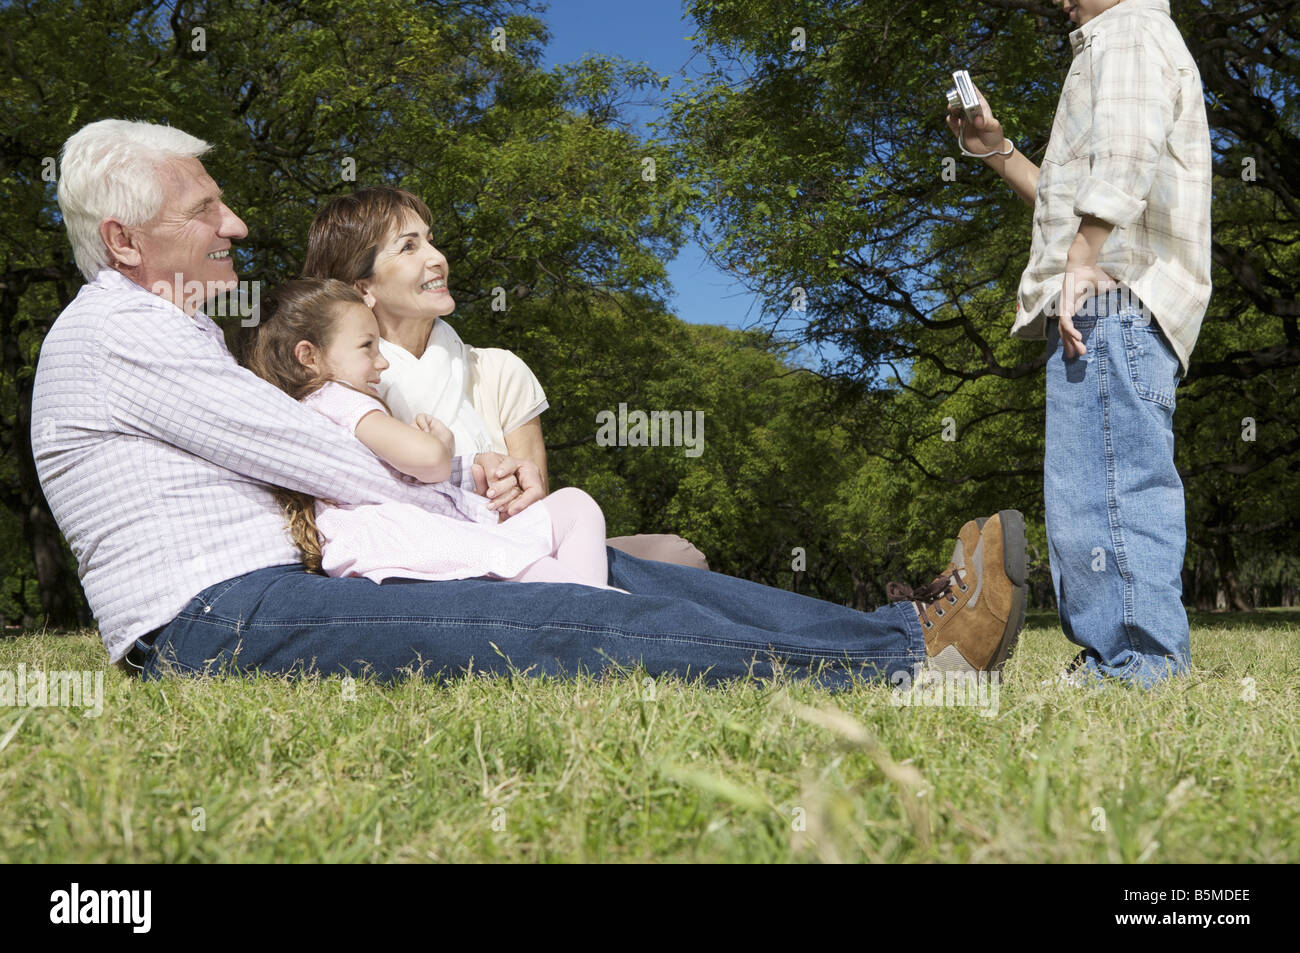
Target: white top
pixel 481 394
pixel 155 450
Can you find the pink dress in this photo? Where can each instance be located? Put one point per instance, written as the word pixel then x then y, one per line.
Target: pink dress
pixel 391 539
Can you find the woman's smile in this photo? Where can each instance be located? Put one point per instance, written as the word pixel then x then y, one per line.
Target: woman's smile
pixel 409 280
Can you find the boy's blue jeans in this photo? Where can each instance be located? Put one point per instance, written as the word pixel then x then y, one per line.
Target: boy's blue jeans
pixel 678 620
pixel 1116 528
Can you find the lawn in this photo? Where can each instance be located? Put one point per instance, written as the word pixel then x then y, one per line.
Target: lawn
pixel 1203 769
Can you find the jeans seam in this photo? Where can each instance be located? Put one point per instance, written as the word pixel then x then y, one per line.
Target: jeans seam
pixel 156 657
pixel 242 626
pixel 915 634
pixel 1117 525
pixel 1112 498
pixel 213 596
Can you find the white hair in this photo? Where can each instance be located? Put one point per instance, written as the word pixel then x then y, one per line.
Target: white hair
pixel 109 169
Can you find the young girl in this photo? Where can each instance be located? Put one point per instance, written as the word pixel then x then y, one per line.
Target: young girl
pixel 318 342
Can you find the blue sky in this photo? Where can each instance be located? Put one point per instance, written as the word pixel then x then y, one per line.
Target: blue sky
pixel 652 32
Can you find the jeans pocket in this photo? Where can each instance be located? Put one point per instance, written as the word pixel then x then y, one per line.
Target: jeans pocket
pixel 203 603
pixel 1152 364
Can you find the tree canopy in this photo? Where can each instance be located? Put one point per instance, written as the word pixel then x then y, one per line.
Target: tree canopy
pixel 817 144
pixel 811 159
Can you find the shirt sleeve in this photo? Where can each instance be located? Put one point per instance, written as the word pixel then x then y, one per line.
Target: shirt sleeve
pixel 184 388
pixel 519 393
pixel 342 405
pixel 1134 90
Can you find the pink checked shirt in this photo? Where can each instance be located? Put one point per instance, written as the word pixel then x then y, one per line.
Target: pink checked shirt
pixel 155 450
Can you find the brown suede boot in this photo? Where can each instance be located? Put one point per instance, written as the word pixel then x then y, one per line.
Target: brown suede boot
pixel 973 612
pixel 968 540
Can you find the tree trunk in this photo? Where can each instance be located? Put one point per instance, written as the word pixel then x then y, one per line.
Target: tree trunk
pixel 862 600
pixel 62 598
pixel 1225 554
pixel 1203 587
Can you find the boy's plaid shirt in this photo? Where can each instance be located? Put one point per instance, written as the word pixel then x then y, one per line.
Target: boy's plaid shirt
pixel 1130 146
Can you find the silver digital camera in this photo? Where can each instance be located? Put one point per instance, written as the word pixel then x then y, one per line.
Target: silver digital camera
pixel 962 97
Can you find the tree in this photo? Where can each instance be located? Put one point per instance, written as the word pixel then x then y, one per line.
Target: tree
pixel 535 185
pixel 754 479
pixel 817 138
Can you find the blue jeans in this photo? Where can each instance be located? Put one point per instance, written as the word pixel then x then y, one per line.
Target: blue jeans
pixel 1116 528
pixel 678 620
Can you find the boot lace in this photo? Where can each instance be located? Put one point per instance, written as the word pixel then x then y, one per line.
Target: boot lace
pixel 942 590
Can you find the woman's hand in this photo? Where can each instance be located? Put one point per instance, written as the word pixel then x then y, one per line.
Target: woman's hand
pixel 511 485
pixel 983 134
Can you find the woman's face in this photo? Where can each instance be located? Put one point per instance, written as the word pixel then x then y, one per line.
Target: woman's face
pixel 410 276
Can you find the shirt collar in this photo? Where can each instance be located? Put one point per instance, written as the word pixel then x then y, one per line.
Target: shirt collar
pixel 389 348
pixel 1079 38
pixel 114 280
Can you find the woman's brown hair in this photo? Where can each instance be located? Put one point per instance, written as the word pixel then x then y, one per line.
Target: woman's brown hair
pixel 303 309
pixel 346 234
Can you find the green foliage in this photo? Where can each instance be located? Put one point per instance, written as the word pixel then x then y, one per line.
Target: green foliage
pixel 535 184
pixel 830 170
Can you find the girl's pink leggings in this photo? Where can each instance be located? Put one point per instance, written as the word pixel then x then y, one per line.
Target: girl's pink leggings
pixel 579 555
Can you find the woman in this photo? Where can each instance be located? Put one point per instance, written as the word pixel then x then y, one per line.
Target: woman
pixel 378 240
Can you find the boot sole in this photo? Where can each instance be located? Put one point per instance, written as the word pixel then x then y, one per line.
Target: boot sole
pixel 1013 564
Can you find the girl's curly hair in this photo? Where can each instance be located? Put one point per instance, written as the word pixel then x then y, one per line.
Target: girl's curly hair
pixel 303 309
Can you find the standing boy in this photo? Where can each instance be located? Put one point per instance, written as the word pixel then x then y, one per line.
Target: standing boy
pixel 1118 281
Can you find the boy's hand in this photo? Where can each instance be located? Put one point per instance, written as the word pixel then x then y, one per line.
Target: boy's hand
pixel 983 134
pixel 1083 280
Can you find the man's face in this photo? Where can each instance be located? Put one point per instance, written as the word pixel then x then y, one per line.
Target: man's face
pixel 1081 11
pixel 191 235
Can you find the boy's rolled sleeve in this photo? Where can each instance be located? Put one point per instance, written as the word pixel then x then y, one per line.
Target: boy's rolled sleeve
pixel 1133 95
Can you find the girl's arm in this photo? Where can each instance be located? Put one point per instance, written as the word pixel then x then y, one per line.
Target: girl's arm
pixel 405 447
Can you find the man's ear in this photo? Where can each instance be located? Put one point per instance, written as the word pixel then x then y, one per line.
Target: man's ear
pixel 121 243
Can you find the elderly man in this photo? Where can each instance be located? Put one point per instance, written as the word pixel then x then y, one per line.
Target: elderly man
pixel 157 452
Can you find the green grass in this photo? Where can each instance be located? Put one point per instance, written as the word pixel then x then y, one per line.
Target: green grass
pixel 1204 768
